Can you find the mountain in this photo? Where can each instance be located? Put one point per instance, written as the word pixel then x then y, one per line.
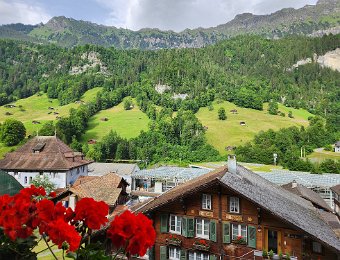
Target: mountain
pixel 324 17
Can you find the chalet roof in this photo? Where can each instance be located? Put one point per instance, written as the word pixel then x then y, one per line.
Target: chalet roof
pixel 99 169
pixel 281 203
pixel 336 189
pixel 43 153
pixel 170 173
pixel 307 194
pixel 105 188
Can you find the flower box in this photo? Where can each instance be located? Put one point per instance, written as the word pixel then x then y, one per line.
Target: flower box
pixel 174 242
pixel 202 247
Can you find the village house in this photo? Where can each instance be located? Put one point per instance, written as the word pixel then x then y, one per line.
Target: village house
pixel 45 156
pixel 109 188
pixel 125 170
pixel 337 147
pixel 336 199
pixel 232 212
pixel 152 182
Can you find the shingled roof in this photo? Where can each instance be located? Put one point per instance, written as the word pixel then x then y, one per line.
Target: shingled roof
pixel 281 203
pixel 336 189
pixel 43 153
pixel 307 194
pixel 105 188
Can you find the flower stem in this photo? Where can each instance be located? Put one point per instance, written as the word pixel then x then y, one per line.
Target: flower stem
pixel 63 254
pixel 49 248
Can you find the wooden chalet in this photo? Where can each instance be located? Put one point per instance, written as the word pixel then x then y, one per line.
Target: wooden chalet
pixel 233 213
pixel 109 188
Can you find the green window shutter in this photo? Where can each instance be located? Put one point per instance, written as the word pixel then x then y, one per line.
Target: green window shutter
pixel 185 227
pixel 164 223
pixel 213 235
pixel 252 236
pixel 183 254
pixel 212 257
pixel 226 232
pixel 190 227
pixel 151 253
pixel 163 252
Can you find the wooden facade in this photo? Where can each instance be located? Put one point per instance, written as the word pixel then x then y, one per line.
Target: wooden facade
pixel 228 226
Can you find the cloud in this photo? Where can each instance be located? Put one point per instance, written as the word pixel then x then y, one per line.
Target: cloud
pixel 22 12
pixel 181 14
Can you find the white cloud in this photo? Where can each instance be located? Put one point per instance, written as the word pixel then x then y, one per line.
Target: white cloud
pixel 22 12
pixel 181 14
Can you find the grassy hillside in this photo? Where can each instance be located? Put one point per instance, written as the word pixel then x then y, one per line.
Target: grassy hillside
pixel 127 123
pixel 230 133
pixel 37 108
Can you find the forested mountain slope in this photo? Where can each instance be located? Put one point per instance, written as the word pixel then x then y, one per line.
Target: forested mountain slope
pixel 324 17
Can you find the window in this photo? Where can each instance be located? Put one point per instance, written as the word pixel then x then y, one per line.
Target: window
pixel 31 179
pixel 25 179
pixel 317 247
pixel 234 205
pixel 174 253
pixel 239 230
pixel 202 228
pixel 175 224
pixel 198 256
pixel 206 201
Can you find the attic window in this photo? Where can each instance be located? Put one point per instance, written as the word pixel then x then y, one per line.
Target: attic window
pixel 38 148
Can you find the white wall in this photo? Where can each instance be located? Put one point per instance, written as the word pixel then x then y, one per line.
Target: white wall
pixel 60 179
pixel 337 149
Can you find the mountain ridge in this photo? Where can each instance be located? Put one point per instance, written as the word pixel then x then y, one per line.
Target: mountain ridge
pixel 69 32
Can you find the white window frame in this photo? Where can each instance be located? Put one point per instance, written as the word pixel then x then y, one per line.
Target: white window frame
pixel 234 204
pixel 206 201
pixel 193 255
pixel 205 223
pixel 178 224
pixel 25 180
pixel 239 231
pixel 176 253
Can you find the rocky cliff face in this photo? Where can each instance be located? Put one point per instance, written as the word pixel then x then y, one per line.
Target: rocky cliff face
pixel 309 20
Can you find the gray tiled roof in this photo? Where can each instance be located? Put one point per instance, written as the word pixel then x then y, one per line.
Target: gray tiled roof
pixel 170 172
pixel 100 169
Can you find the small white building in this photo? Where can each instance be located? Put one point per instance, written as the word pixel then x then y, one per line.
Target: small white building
pixel 45 156
pixel 337 147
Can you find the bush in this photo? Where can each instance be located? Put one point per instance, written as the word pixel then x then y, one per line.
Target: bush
pixel 264 253
pixel 271 254
pixel 12 132
pixel 328 147
pixel 221 114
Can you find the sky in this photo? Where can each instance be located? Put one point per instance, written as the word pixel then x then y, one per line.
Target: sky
pixel 174 15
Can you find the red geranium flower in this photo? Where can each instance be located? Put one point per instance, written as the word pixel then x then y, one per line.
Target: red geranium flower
pixel 92 213
pixel 135 232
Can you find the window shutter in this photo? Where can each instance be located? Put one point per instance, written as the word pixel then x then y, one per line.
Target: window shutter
pixel 163 252
pixel 164 223
pixel 151 253
pixel 212 257
pixel 213 230
pixel 185 227
pixel 183 254
pixel 226 232
pixel 190 227
pixel 252 236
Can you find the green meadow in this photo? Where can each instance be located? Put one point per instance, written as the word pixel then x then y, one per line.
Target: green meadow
pixel 221 134
pixel 127 123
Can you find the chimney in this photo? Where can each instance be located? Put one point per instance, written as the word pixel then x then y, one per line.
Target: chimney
pixel 294 184
pixel 232 163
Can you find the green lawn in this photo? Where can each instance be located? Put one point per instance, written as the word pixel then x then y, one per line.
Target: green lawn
pixel 36 108
pixel 319 156
pixel 127 123
pixel 230 133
